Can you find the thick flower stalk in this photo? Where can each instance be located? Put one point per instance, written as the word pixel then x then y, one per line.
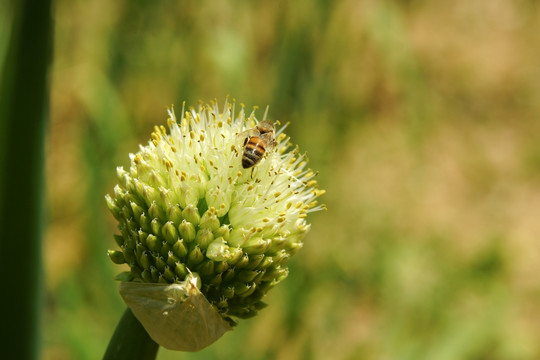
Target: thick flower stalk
pixel 186 206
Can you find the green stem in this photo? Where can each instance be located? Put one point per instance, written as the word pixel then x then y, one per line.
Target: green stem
pixel 23 115
pixel 131 341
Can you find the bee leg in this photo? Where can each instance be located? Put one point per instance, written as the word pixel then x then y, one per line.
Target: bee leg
pixel 253 168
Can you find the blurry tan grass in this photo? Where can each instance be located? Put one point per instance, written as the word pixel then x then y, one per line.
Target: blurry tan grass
pixel 422 118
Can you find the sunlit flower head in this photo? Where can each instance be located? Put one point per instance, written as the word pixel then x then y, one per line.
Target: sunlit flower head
pixel 187 205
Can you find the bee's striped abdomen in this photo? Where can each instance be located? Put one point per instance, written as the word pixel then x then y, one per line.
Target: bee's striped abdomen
pixel 253 152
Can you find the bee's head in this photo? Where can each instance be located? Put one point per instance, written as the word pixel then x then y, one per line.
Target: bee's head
pixel 265 126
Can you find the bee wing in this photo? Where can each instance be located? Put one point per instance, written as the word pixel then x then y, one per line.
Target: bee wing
pixel 249 133
pixel 270 141
pixel 245 135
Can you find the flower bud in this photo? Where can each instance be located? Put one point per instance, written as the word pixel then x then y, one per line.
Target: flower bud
pixel 206 269
pixel 165 248
pixel 228 292
pixel 293 248
pixel 255 261
pixel 149 193
pixel 195 257
pixel 161 264
pixel 237 237
pixel 204 238
pixel 117 257
pixel 281 257
pixel 187 231
pixel 130 242
pixel 155 211
pixel 223 231
pixel 129 256
pixel 154 272
pixel 267 261
pixel 145 260
pixel 119 195
pixel 256 246
pixel 221 266
pixel 142 237
pixel 139 250
pixel 115 210
pixel 247 275
pixel 156 227
pixel 191 214
pixel 243 262
pixel 136 272
pixel 235 255
pixel 244 290
pixel 228 275
pixel 277 244
pixel 179 249
pixel 153 243
pixel 126 212
pixel 136 209
pixel 275 274
pixel 172 259
pixel 147 276
pixel 216 280
pixel 169 233
pixel 144 221
pixel 119 240
pixel 169 274
pixel 209 220
pixel 258 278
pixel 174 214
pixel 180 270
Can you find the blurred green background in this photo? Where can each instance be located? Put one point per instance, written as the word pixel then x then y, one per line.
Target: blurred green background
pixel 423 119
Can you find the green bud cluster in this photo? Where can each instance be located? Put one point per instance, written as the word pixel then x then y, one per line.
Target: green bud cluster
pixel 234 278
pixel 186 206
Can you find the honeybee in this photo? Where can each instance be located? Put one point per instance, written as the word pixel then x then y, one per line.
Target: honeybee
pixel 257 141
